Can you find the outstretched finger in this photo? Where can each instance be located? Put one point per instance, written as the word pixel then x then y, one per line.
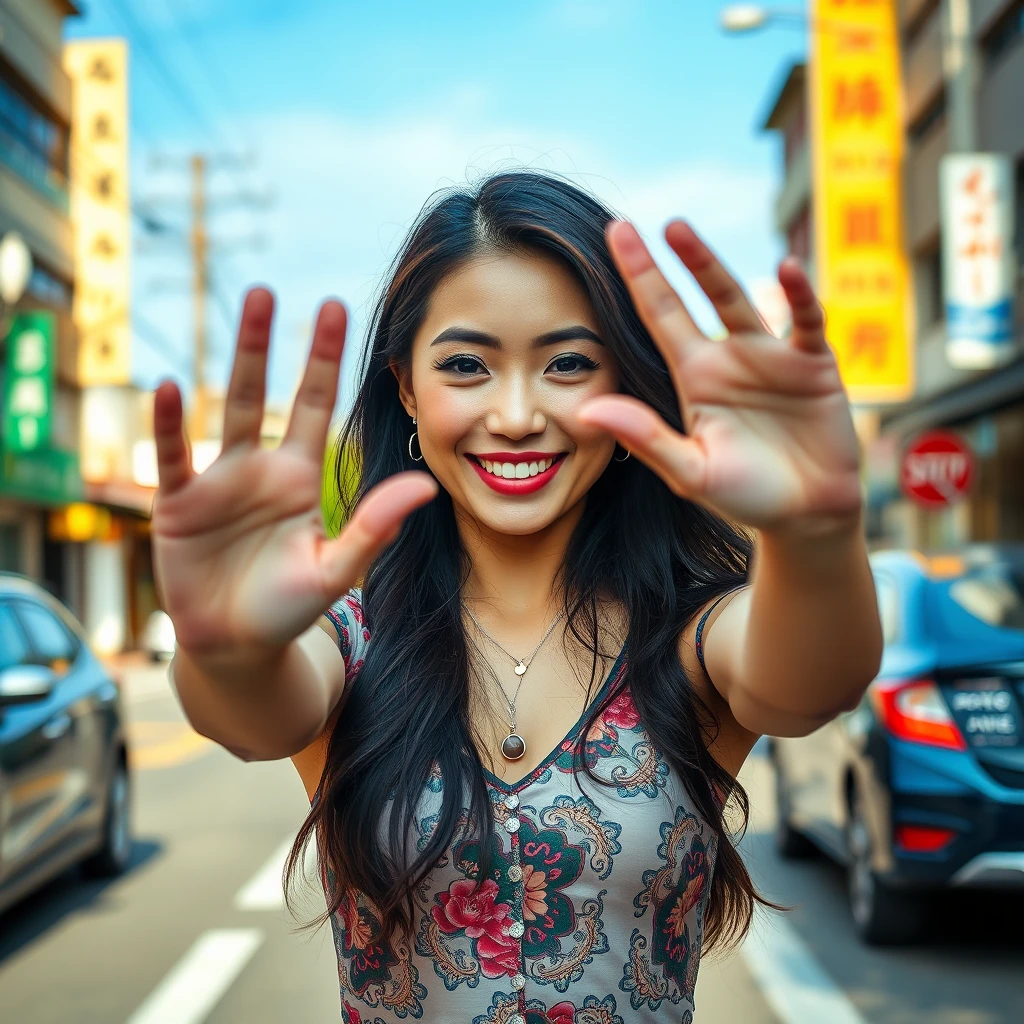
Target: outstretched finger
pixel 374 524
pixel 677 459
pixel 243 407
pixel 659 306
pixel 173 453
pixel 734 309
pixel 807 312
pixel 314 401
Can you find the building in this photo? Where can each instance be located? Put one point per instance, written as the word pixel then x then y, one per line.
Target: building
pixel 985 407
pixel 35 113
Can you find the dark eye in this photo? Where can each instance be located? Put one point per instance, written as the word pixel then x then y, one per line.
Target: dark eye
pixel 572 364
pixel 461 366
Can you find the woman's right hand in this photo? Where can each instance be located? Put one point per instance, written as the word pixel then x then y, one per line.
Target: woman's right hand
pixel 242 561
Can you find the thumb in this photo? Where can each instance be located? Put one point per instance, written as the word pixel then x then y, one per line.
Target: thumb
pixel 679 460
pixel 374 524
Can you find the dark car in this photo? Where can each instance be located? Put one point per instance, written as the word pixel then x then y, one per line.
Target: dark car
pixel 64 781
pixel 922 786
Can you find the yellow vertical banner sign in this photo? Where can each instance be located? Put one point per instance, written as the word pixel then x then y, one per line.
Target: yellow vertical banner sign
pixel 857 139
pixel 100 214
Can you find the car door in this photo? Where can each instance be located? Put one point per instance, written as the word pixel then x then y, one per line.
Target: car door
pixel 74 724
pixel 34 760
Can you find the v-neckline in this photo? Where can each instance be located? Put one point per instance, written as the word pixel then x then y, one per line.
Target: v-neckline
pixel 513 787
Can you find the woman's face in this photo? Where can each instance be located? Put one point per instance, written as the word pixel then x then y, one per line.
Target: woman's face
pixel 508 351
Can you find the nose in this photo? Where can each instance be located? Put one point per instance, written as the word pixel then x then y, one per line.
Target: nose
pixel 516 412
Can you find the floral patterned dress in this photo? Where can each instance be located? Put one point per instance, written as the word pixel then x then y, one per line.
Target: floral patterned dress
pixel 594 910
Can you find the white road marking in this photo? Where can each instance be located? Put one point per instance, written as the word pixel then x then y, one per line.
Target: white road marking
pixel 265 891
pixel 200 978
pixel 793 983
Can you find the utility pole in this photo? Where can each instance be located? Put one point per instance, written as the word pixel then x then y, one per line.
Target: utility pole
pixel 959 65
pixel 200 282
pixel 200 247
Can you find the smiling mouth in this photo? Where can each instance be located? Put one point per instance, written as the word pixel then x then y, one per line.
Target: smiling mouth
pixel 517 470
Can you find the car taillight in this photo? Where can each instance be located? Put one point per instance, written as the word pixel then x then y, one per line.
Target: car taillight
pixel 914 710
pixel 923 839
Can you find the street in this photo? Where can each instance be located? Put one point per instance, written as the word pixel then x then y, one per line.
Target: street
pixel 196 931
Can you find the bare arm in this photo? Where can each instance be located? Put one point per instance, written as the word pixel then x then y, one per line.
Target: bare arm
pixel 804 640
pixel 265 709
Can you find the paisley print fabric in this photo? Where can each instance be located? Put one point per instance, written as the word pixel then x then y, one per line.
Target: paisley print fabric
pixel 594 910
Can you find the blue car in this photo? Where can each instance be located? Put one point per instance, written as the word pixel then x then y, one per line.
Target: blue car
pixel 922 785
pixel 64 776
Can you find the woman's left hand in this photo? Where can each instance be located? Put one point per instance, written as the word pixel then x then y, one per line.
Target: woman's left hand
pixel 769 440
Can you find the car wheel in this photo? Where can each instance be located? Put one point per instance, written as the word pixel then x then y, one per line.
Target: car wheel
pixel 113 856
pixel 790 844
pixel 883 915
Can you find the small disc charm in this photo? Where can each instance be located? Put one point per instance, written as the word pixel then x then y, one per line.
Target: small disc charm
pixel 513 747
pixel 520 669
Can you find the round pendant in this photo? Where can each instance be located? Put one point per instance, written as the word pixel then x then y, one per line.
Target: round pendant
pixel 513 747
pixel 520 669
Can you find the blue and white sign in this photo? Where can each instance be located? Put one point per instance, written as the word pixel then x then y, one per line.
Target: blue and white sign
pixel 978 259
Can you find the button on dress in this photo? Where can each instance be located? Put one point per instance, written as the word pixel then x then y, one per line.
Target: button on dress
pixel 594 910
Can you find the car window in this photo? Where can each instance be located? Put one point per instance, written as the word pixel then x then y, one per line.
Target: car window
pixel 54 645
pixel 13 645
pixel 990 596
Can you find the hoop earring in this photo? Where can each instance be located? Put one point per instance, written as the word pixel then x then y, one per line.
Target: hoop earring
pixel 626 450
pixel 411 456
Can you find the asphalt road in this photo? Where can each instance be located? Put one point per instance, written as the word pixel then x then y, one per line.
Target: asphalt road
pixel 196 931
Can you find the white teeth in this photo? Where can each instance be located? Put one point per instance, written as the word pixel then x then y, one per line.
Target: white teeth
pixel 516 470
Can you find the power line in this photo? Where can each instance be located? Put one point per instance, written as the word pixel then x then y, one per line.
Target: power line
pixel 156 341
pixel 174 86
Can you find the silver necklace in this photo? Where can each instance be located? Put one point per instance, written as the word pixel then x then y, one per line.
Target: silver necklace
pixel 513 746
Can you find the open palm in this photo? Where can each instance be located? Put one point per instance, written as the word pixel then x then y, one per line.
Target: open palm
pixel 769 436
pixel 241 556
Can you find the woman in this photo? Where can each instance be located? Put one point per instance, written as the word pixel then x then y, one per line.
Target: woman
pixel 520 735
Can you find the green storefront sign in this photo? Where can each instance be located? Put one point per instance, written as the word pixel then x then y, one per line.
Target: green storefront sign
pixel 30 469
pixel 28 381
pixel 46 477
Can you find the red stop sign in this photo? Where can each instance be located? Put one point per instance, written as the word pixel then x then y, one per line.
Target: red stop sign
pixel 937 469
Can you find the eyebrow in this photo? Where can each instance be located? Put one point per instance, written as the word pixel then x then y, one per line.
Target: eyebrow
pixel 467 334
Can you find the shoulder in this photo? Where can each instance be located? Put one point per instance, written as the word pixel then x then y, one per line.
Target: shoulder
pixel 702 644
pixel 349 622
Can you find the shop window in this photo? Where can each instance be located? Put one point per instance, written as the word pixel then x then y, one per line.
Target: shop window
pixel 931 296
pixel 1005 35
pixel 920 22
pixel 928 118
pixel 31 142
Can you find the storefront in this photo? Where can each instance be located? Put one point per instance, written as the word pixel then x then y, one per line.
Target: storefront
pixel 988 414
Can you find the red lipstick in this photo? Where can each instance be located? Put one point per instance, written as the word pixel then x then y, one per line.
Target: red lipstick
pixel 527 485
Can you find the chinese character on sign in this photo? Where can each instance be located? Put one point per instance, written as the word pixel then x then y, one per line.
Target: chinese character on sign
pixel 28 397
pixel 30 352
pixel 868 341
pixel 101 127
pixel 104 185
pixel 978 204
pixel 101 70
pixel 104 246
pixel 862 224
pixel 862 97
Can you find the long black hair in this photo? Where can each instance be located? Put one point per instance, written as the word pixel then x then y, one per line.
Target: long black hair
pixel 659 556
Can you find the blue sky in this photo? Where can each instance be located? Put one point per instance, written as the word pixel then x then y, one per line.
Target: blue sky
pixel 354 113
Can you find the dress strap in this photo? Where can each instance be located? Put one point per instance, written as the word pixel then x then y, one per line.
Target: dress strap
pixel 699 643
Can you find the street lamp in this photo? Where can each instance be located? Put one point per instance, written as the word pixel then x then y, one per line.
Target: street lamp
pixel 748 17
pixel 15 271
